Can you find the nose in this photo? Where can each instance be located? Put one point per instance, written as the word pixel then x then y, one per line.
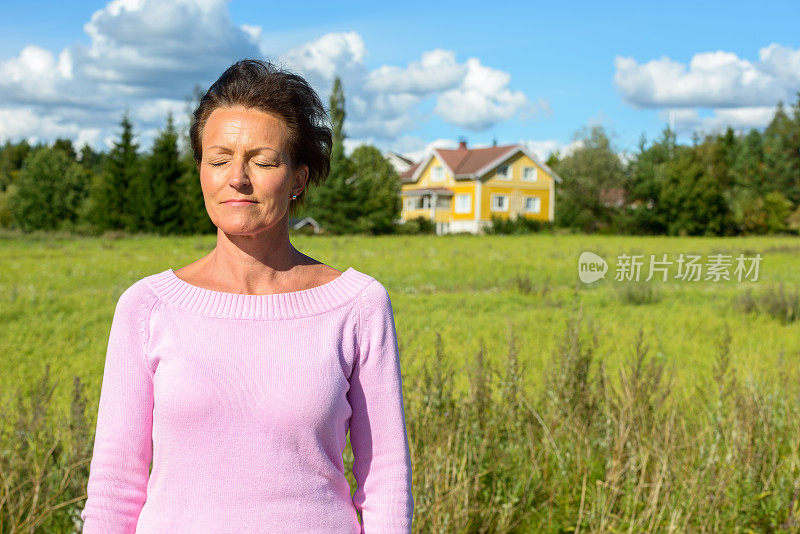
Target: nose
pixel 238 173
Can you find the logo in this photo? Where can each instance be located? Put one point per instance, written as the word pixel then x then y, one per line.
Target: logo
pixel 591 267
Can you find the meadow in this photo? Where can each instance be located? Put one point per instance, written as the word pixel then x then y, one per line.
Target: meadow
pixel 534 402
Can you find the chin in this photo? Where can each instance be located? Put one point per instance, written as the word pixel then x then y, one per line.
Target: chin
pixel 248 227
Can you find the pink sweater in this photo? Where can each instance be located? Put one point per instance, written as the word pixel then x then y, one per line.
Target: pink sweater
pixel 243 404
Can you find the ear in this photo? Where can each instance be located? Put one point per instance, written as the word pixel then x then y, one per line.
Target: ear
pixel 301 178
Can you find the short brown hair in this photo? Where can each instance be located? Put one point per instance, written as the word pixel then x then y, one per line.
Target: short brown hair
pixel 258 84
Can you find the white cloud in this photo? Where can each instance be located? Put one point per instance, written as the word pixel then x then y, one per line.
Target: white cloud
pixel 147 55
pixel 142 54
pixel 436 71
pixel 382 103
pixel 25 122
pixel 712 79
pixel 482 99
pixel 689 120
pixel 156 110
pixel 332 54
pixel 543 149
pixel 154 48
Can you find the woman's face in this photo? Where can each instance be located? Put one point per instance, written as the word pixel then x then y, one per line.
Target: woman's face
pixel 245 157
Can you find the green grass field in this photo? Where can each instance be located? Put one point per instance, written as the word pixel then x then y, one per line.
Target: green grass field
pixel 57 298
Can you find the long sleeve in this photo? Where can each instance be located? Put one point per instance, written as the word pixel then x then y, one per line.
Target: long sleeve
pixel 378 436
pixel 119 470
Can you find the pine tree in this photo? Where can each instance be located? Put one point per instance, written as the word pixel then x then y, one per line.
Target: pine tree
pixel 781 157
pixel 91 159
pixel 159 208
pixel 111 203
pixel 336 204
pixel 193 214
pixel 65 145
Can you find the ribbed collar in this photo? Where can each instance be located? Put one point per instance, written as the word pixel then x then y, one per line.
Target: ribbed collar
pixel 289 305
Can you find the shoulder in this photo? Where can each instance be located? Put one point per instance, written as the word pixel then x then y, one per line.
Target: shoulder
pixel 138 298
pixel 374 302
pixel 374 294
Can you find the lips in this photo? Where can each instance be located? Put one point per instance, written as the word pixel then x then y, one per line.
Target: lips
pixel 239 201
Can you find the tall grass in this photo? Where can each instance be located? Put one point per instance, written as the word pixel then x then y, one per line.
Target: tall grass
pixel 43 473
pixel 774 300
pixel 587 452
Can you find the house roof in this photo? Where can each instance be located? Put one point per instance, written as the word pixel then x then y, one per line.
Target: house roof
pixel 471 160
pixel 400 157
pixel 613 196
pixel 463 162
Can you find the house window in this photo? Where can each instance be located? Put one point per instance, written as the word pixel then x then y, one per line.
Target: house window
pixel 504 172
pixel 530 174
pixel 417 203
pixel 437 174
pixel 532 204
pixel 499 202
pixel 463 203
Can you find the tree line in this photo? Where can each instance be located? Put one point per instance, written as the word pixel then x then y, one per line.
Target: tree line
pixel 724 184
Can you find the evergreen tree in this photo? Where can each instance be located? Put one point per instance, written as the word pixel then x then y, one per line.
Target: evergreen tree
pixel 110 199
pixel 11 157
pixel 156 191
pixel 782 153
pixel 692 194
pixel 193 214
pixel 65 145
pixel 647 182
pixel 50 191
pixel 336 204
pixel 90 159
pixel 748 170
pixel 379 186
pixel 553 159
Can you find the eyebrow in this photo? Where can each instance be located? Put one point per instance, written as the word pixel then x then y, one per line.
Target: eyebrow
pixel 251 151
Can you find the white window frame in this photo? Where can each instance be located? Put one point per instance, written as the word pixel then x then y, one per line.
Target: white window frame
pixel 464 206
pixel 537 203
pixel 495 196
pixel 437 174
pixel 507 175
pixel 535 174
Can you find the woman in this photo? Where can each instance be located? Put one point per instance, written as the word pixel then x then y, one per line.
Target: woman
pixel 240 374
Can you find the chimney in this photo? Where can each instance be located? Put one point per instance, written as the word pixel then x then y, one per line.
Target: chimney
pixel 462 143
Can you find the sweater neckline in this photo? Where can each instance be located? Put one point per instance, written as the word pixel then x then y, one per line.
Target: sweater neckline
pixel 285 305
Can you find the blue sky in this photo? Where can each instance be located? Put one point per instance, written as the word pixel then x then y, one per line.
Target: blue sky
pixel 416 75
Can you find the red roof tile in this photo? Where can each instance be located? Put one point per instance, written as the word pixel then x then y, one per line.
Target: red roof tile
pixel 471 160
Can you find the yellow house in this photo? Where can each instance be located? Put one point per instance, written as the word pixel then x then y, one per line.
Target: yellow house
pixel 460 189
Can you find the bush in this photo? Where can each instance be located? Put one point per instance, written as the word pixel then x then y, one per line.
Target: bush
pixel 50 191
pixel 517 225
pixel 417 225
